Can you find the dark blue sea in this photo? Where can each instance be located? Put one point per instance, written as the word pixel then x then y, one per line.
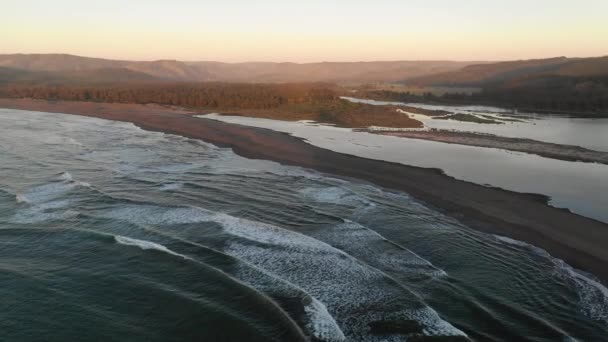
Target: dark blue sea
pixel 112 233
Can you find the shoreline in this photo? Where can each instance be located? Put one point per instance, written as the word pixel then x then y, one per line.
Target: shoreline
pixel 578 240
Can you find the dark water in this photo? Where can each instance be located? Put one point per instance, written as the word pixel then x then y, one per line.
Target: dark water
pixel 109 232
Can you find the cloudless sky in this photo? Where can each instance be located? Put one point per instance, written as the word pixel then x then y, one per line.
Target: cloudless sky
pixel 306 30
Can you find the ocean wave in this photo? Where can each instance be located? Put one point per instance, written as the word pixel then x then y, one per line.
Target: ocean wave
pixel 145 245
pixel 20 198
pixel 321 323
pixel 171 186
pixel 338 285
pixel 60 140
pixel 43 212
pixel 171 168
pixel 156 215
pixel 367 244
pixel 46 192
pixel 339 196
pixel 593 295
pixel 334 195
pixel 44 202
pixel 344 284
pixel 318 322
pixel 433 324
pixel 66 176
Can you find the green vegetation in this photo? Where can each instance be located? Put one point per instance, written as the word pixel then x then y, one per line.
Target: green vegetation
pixel 556 85
pixel 586 96
pixel 291 101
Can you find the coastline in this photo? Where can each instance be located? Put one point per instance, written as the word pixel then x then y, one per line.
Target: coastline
pixel 578 240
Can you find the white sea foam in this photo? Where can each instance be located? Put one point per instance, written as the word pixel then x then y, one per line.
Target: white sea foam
pixel 340 196
pixel 145 245
pixel 43 212
pixel 171 186
pixel 66 176
pixel 155 215
pixel 321 323
pixel 593 295
pixel 339 282
pixel 60 140
pixel 346 286
pixel 433 324
pixel 44 202
pixel 267 233
pixel 366 244
pixel 335 195
pixel 50 191
pixel 47 192
pixel 20 198
pixel 512 241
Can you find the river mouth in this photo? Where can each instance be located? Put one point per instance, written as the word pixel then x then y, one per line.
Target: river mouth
pixel 95 212
pixel 589 133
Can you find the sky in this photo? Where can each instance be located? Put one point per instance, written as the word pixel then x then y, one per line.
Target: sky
pixel 306 30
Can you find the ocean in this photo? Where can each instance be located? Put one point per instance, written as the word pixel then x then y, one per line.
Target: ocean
pixel 111 232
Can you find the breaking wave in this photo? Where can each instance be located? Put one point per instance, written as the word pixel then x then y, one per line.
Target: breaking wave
pixel 592 293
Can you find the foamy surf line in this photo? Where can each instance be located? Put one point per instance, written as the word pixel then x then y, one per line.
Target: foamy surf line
pixel 146 245
pixel 592 293
pixel 355 238
pixel 320 323
pixel 301 260
pixel 290 248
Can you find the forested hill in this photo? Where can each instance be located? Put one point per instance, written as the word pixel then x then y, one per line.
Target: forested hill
pixel 251 72
pixel 504 74
pixel 569 85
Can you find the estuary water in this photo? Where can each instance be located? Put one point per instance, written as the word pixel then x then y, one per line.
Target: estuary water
pixel 110 232
pixel 591 133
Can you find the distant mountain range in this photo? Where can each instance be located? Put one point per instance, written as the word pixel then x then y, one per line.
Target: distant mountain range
pixel 64 68
pixel 69 67
pixel 569 85
pixel 515 74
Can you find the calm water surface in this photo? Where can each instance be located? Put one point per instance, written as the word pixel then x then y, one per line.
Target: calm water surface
pixel 558 129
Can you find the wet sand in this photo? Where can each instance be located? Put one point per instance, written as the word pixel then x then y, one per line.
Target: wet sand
pixel 543 149
pixel 578 240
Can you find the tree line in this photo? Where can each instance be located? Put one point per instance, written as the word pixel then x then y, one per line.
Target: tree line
pixel 192 95
pixel 547 94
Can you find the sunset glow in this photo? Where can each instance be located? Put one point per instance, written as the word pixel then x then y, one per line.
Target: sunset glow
pixel 273 30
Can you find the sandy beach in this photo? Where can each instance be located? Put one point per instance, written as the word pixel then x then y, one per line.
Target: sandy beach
pixel 578 240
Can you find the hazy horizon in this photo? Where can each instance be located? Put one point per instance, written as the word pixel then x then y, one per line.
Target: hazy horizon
pixel 292 62
pixel 273 31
